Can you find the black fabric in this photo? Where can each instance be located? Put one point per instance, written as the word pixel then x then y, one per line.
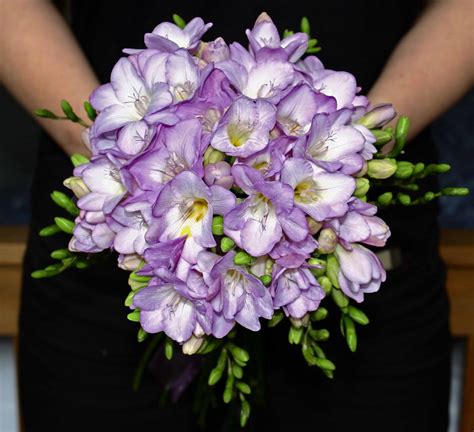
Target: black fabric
pixel 78 352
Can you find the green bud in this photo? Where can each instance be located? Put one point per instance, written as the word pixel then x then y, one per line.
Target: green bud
pixel 142 335
pixel 169 348
pixel 77 185
pixel 325 283
pixel 362 187
pixel 382 137
pixel 318 350
pixel 385 199
pixel 242 258
pixel 403 199
pixel 65 202
pixel 327 241
pixel 218 225
pixel 222 359
pixel 295 335
pixel 401 135
pixel 129 299
pixel 78 159
pixel 325 364
pixel 339 298
pixel 238 353
pixel 215 376
pixel 276 319
pixel 40 274
pixel 266 279
pixel 312 43
pixel 134 316
pixel 237 371
pixel 49 231
pixel 179 21
pixel 308 355
pixel 419 167
pixel 229 388
pixel 429 196
pixel 211 155
pixel 139 278
pixel 332 270
pixel 64 224
pixel 244 412
pixel 44 113
pixel 68 111
pixel 313 50
pixel 350 332
pixel 305 27
pixel 82 264
pixel 319 314
pixel 381 168
pixel 319 335
pixel 320 266
pixel 134 285
pixel 404 170
pixel 60 254
pixel 358 316
pixel 455 191
pixel 91 113
pixel 243 387
pixel 287 33
pixel 227 244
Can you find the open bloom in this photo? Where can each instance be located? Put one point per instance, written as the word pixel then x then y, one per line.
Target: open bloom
pixel 245 127
pixel 185 207
pixel 236 296
pixel 258 222
pixel 263 79
pixel 317 193
pixel 168 304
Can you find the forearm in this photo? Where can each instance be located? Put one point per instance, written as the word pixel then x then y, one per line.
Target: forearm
pixel 42 64
pixel 433 65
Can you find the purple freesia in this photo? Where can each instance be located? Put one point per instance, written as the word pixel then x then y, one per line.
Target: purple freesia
pixel 317 193
pixel 296 290
pixel 361 272
pixel 185 207
pixel 245 127
pixel 262 217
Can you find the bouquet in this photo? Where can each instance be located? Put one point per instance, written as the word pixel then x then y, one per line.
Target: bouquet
pixel 236 186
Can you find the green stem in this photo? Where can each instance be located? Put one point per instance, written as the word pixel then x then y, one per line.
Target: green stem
pixel 150 349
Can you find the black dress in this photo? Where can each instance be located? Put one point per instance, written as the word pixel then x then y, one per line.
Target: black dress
pixel 78 352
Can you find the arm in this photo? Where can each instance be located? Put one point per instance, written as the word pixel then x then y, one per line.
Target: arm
pixel 42 64
pixel 433 65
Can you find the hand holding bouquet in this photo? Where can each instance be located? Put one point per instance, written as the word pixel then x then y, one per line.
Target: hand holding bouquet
pixel 236 185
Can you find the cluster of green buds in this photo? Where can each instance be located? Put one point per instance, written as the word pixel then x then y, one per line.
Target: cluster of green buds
pixel 65 258
pixel 69 113
pixel 399 176
pixel 230 363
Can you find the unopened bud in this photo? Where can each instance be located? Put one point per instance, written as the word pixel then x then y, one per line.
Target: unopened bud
pixel 300 322
pixel 382 168
pixel 227 244
pixel 213 156
pixel 218 225
pixel 192 345
pixel 266 279
pixel 242 258
pixel 378 116
pixel 382 137
pixel 404 170
pixel 313 226
pixel 385 198
pixel 215 51
pixel 362 187
pixel 77 185
pixel 327 241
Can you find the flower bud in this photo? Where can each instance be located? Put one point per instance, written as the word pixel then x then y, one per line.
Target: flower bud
pixel 77 159
pixel 382 168
pixel 300 322
pixel 64 224
pixel 404 169
pixel 218 173
pixel 378 116
pixel 385 198
pixel 212 155
pixel 325 283
pixel 218 225
pixel 327 241
pixel 77 185
pixel 192 345
pixel 319 314
pixel 227 244
pixel 266 279
pixel 215 51
pixel 332 270
pixel 403 199
pixel 313 226
pixel 455 191
pixel 242 258
pixel 363 170
pixel 382 137
pixel 362 187
pixel 129 262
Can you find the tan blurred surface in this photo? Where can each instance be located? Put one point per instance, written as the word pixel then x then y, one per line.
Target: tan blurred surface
pixel 457 250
